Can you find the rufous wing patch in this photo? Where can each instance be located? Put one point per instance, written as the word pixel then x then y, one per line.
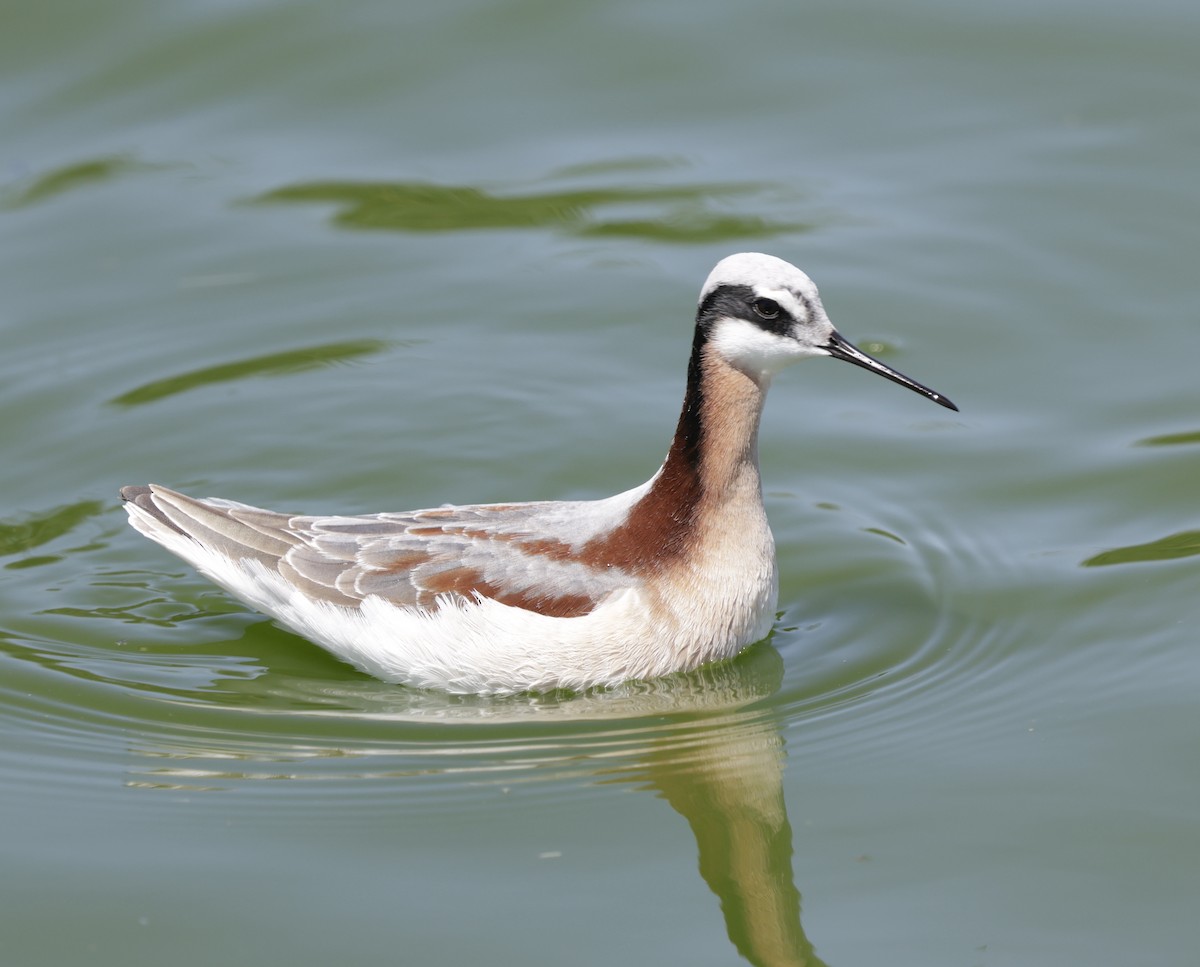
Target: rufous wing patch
pixel 468 583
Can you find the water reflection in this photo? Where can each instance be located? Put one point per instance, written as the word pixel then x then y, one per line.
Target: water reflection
pixel 1171 439
pixel 731 794
pixel 673 213
pixel 270 364
pixel 24 533
pixel 706 742
pixel 81 174
pixel 1182 544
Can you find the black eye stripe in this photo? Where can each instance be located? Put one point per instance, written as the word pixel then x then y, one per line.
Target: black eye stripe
pixel 737 301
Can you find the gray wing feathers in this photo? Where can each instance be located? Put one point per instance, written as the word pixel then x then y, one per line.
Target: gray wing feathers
pixel 409 559
pixel 234 531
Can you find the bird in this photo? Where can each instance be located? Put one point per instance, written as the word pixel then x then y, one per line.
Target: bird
pixel 543 596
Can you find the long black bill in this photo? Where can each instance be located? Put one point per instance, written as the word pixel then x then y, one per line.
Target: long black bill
pixel 841 348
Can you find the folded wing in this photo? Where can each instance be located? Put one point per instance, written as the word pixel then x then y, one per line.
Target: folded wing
pixel 521 555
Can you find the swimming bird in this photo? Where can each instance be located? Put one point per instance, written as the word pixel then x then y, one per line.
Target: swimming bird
pixel 502 598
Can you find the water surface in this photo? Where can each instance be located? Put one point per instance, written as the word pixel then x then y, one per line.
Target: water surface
pixel 361 258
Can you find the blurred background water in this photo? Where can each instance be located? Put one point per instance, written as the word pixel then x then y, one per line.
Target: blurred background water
pixel 359 256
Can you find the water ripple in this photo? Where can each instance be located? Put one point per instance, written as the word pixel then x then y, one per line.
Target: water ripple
pixel 902 640
pixel 909 641
pixel 206 716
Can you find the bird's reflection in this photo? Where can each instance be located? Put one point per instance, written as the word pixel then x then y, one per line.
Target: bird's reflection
pixel 731 794
pixel 707 742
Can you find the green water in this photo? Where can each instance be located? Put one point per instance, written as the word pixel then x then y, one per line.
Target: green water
pixel 352 257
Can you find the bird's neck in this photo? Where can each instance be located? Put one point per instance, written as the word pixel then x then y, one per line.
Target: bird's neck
pixel 715 448
pixel 710 476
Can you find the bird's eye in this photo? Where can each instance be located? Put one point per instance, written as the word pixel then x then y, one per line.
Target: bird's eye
pixel 766 308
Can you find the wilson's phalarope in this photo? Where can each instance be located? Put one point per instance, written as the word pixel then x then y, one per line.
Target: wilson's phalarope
pixel 493 598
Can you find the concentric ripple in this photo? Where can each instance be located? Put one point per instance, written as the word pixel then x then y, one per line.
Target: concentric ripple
pixel 190 694
pixel 903 633
pixel 879 636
